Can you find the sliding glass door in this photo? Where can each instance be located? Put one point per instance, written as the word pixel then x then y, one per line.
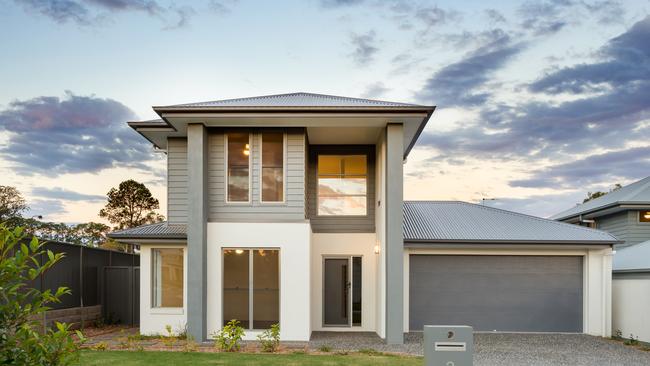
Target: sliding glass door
pixel 251 287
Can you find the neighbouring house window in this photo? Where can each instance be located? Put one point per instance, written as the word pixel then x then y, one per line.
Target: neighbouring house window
pixel 644 216
pixel 342 185
pixel 167 275
pixel 238 167
pixel 272 166
pixel 251 287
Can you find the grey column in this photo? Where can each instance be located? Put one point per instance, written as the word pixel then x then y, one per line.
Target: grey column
pixel 197 214
pixel 394 237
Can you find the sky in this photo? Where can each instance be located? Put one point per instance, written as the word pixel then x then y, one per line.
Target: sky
pixel 538 102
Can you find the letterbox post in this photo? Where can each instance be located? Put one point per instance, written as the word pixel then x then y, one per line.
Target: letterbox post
pixel 448 345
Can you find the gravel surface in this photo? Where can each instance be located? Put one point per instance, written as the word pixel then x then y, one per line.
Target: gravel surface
pixel 506 349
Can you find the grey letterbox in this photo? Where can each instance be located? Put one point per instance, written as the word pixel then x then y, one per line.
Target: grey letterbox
pixel 448 345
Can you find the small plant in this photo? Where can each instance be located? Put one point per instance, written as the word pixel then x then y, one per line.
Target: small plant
pixel 270 338
pixel 341 353
pixel 299 352
pixel 101 346
pixel 370 352
pixel 190 345
pixel 325 348
pixel 169 340
pixel 182 333
pixel 228 338
pixel 618 334
pixel 632 341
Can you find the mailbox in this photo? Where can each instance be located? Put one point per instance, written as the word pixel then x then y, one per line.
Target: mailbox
pixel 448 345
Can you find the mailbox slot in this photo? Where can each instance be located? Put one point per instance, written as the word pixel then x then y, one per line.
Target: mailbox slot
pixel 450 346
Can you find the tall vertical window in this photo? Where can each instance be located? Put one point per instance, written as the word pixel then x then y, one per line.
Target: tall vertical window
pixel 251 287
pixel 167 276
pixel 342 185
pixel 238 167
pixel 272 167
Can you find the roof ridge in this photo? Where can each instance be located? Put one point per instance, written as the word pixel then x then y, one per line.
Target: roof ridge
pixel 514 213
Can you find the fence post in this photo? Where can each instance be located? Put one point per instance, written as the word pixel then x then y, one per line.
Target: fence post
pixel 81 285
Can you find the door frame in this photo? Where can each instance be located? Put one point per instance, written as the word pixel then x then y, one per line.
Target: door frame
pixel 349 258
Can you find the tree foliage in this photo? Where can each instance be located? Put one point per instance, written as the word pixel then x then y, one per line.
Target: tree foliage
pixel 12 203
pixel 20 341
pixel 594 195
pixel 131 205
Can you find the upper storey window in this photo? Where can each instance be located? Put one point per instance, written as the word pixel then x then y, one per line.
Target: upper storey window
pixel 342 185
pixel 644 216
pixel 272 166
pixel 239 157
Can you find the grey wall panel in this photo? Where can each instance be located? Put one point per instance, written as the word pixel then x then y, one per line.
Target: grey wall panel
pixel 626 227
pixel 637 232
pixel 503 293
pixel 342 224
pixel 616 224
pixel 293 209
pixel 177 180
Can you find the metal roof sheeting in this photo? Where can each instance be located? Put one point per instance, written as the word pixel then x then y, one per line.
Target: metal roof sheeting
pixel 295 100
pixel 161 230
pixel 635 193
pixel 633 258
pixel 454 221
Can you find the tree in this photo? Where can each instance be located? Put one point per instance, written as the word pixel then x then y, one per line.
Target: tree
pixel 12 203
pixel 20 306
pixel 131 205
pixel 594 195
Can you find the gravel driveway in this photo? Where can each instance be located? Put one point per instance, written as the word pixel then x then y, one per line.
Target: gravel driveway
pixel 506 349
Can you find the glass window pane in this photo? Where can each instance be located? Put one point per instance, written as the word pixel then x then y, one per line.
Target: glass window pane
pixel 236 287
pixel 329 164
pixel 272 166
pixel 356 291
pixel 167 268
pixel 644 216
pixel 341 186
pixel 272 185
pixel 238 166
pixel 266 288
pixel 342 205
pixel 354 165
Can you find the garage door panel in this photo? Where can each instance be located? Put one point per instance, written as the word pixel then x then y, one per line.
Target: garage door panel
pixel 504 293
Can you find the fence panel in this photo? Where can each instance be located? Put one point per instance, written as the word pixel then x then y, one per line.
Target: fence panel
pixel 121 301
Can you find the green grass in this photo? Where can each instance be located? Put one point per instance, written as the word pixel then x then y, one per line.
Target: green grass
pixel 128 358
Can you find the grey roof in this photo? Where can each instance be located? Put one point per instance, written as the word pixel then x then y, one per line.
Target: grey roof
pixel 633 258
pixel 161 230
pixel 294 100
pixel 635 193
pixel 454 221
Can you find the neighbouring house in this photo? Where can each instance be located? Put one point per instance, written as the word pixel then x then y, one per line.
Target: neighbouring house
pixel 288 209
pixel 631 292
pixel 624 212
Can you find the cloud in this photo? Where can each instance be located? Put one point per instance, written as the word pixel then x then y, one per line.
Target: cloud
pixel 375 90
pixel 544 17
pixel 628 164
pixel 65 194
pixel 46 208
pixel 462 83
pixel 74 134
pixel 607 11
pixel 339 3
pixel 494 16
pixel 89 12
pixel 221 7
pixel 365 47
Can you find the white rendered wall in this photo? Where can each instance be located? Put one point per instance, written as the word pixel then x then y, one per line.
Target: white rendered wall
pixel 293 240
pixel 347 244
pixel 631 307
pixel 154 320
pixel 597 266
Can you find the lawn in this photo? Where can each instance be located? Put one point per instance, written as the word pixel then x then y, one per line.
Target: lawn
pixel 128 358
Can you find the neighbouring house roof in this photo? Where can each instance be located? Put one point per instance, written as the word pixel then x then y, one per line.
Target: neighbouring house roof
pixel 300 99
pixel 635 194
pixel 635 258
pixel 161 230
pixel 462 222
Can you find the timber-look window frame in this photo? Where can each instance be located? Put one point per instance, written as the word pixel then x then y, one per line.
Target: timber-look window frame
pixel 249 294
pixel 233 162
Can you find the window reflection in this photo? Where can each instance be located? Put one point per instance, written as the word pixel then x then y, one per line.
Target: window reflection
pixel 272 166
pixel 238 167
pixel 342 185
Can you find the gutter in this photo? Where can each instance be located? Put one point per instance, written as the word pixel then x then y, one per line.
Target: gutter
pixel 412 242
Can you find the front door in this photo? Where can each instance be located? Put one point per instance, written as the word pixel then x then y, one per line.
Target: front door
pixel 336 292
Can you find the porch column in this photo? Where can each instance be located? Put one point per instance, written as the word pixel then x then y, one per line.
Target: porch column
pixel 394 237
pixel 197 172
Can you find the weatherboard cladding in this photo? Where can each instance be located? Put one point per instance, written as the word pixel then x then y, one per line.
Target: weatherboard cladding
pixel 637 192
pixel 465 222
pixel 295 100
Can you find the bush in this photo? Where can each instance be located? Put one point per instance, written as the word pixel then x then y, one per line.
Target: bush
pixel 228 338
pixel 20 305
pixel 325 348
pixel 270 338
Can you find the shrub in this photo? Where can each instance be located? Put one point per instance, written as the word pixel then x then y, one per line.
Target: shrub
pixel 21 306
pixel 325 348
pixel 632 341
pixel 270 338
pixel 370 352
pixel 228 338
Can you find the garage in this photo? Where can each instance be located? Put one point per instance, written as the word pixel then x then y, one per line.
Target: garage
pixel 502 271
pixel 497 293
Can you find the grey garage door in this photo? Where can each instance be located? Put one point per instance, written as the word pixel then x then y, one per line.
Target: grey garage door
pixel 502 293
